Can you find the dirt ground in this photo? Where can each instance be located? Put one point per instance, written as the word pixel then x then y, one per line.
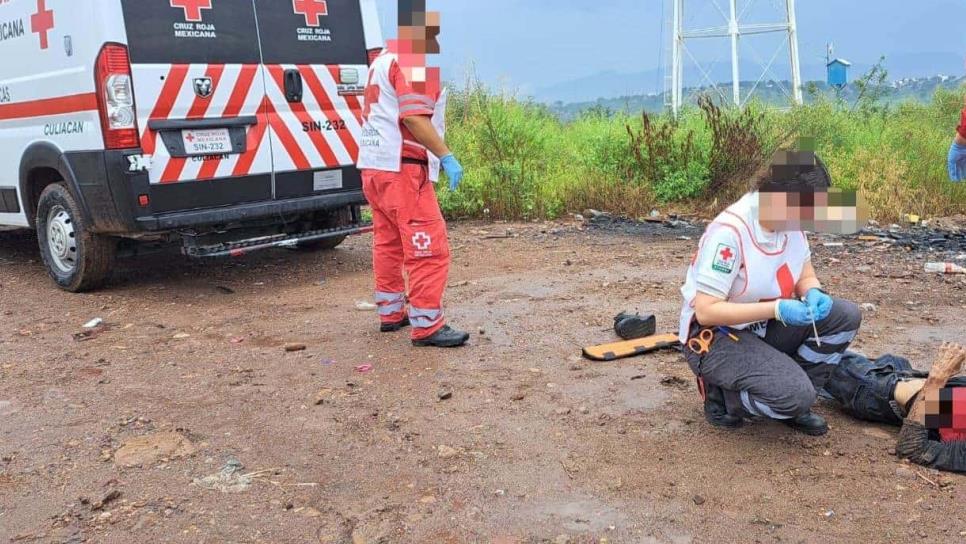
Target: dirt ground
pixel 513 439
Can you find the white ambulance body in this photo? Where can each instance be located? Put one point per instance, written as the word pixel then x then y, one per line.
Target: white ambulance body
pixel 227 125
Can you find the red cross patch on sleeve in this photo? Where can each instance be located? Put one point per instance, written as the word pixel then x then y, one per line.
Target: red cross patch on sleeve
pixel 724 259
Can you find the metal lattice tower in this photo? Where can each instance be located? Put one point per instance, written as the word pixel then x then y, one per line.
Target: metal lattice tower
pixel 733 30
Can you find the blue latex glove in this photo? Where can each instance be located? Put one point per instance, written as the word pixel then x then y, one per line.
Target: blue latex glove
pixel 819 303
pixel 453 169
pixel 794 312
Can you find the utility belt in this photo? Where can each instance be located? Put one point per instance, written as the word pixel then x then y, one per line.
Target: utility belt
pixel 421 162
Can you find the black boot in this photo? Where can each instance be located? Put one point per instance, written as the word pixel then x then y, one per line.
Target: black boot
pixel 633 326
pixel 715 410
pixel 447 337
pixel 393 327
pixel 808 423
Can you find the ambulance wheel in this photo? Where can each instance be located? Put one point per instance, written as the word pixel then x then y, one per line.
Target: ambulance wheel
pixel 76 259
pixel 324 244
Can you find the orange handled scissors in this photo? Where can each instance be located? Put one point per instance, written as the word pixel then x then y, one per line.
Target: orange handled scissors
pixel 701 344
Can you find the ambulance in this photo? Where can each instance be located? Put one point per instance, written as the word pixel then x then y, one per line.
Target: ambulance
pixel 224 126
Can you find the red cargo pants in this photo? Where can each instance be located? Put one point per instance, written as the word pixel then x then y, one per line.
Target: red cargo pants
pixel 408 232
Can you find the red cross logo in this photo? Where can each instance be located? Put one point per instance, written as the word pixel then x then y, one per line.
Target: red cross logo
pixel 726 254
pixel 192 8
pixel 422 241
pixel 311 9
pixel 42 22
pixel 190 137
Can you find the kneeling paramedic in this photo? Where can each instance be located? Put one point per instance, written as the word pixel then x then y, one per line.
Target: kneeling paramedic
pixel 759 332
pixel 404 121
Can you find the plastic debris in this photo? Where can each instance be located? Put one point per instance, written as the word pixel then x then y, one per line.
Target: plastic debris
pixel 364 306
pixel 945 268
pixel 362 369
pixel 93 323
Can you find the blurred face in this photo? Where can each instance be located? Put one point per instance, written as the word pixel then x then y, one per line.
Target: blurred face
pixel 421 38
pixel 816 210
pixel 418 37
pixel 946 408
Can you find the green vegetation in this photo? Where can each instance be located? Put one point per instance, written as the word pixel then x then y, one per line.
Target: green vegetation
pixel 523 162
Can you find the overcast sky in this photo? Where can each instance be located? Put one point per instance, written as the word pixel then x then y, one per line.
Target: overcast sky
pixel 529 44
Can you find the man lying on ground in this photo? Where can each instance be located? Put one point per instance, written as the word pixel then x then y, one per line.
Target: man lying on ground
pixel 930 407
pixel 775 335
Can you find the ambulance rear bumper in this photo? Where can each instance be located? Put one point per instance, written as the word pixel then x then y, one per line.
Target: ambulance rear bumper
pixel 243 213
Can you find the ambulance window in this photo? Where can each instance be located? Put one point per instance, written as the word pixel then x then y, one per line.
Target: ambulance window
pixel 311 32
pixel 191 31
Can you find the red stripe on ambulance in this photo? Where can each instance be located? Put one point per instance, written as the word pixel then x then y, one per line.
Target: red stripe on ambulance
pixel 235 103
pixel 328 108
pixel 199 108
pixel 49 106
pixel 162 108
pixel 302 114
pixel 351 100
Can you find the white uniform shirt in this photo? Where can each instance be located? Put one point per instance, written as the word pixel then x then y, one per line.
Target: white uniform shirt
pixel 739 261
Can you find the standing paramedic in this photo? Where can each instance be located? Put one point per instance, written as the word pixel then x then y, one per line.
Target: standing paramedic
pixel 957 152
pixel 759 332
pixel 400 156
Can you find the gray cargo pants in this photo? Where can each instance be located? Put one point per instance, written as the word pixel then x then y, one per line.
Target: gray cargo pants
pixel 776 376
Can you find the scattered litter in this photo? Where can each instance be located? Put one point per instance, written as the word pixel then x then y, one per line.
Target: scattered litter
pixel 181 336
pixel 328 362
pixel 225 290
pixel 869 307
pixel 291 347
pixel 238 340
pixel 834 244
pixel 362 369
pixel 444 394
pixel 93 323
pixel 229 479
pixel 638 377
pixel 945 268
pixel 364 306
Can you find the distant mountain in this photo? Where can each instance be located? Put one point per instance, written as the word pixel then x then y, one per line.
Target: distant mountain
pixel 611 84
pixel 769 92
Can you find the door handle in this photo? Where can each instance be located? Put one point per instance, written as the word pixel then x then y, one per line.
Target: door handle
pixel 293 85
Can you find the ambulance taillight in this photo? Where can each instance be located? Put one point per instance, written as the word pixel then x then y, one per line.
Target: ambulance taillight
pixel 115 98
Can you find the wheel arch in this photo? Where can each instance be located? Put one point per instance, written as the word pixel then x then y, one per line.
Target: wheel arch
pixel 42 164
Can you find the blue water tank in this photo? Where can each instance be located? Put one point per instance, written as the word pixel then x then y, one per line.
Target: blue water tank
pixel 838 73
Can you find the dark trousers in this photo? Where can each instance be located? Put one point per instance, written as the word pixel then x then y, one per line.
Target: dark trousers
pixel 776 376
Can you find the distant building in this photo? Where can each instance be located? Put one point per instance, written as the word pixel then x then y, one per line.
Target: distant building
pixel 838 73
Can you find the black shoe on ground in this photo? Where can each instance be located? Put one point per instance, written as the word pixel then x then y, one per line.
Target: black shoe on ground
pixel 393 327
pixel 716 412
pixel 447 337
pixel 633 326
pixel 808 423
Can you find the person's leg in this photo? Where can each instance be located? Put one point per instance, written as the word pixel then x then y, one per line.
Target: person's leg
pixel 836 333
pixel 956 162
pixel 387 253
pixel 427 258
pixel 756 378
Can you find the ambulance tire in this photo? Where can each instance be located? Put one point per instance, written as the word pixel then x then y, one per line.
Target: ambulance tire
pixel 326 244
pixel 76 259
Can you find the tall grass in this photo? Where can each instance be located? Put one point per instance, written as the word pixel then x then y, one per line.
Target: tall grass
pixel 524 163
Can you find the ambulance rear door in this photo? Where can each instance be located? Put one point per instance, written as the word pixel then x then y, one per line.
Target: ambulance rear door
pixel 200 95
pixel 315 58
